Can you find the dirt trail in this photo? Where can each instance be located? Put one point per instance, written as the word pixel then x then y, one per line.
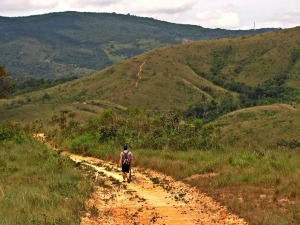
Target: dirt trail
pixel 140 73
pixel 151 198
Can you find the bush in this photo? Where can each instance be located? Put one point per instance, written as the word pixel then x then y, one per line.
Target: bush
pixel 82 144
pixel 11 131
pixel 107 132
pixel 6 134
pixel 292 144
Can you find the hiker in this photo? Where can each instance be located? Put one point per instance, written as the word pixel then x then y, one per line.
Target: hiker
pixel 125 162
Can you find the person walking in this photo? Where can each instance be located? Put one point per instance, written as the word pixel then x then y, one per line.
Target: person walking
pixel 125 162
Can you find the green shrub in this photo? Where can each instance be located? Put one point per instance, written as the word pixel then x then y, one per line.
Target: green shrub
pixel 291 144
pixel 107 132
pixel 6 134
pixel 11 131
pixel 82 144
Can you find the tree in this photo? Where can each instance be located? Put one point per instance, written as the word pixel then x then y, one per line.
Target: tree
pixel 4 86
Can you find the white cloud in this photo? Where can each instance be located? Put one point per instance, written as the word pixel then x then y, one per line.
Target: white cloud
pixel 26 7
pixel 228 14
pixel 92 3
pixel 224 17
pixel 158 6
pixel 45 4
pixel 284 20
pixel 291 19
pixel 14 5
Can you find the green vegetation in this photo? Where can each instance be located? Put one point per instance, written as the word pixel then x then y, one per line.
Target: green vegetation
pixel 21 85
pixel 68 44
pixel 273 125
pixel 143 130
pixel 222 115
pixel 171 130
pixel 37 186
pixel 262 188
pixel 4 85
pixel 205 79
pixel 255 176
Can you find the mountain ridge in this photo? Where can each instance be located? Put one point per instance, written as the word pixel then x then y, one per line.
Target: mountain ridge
pixel 66 44
pixel 205 78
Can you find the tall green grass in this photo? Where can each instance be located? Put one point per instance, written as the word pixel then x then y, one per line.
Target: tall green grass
pixel 258 181
pixel 38 186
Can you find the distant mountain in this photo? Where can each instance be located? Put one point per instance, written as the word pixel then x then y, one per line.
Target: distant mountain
pixel 205 79
pixel 67 44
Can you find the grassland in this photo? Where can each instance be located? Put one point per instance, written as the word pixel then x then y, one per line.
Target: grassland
pixel 260 127
pixel 255 176
pixel 241 72
pixel 38 186
pixel 245 157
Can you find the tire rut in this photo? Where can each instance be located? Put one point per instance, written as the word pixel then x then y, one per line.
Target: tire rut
pixel 151 198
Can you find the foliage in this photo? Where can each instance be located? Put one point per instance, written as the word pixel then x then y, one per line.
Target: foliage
pixel 292 144
pixel 59 191
pixel 140 128
pixel 192 149
pixel 63 122
pixel 11 131
pixel 252 70
pixel 4 85
pixel 81 144
pixel 23 85
pixel 271 91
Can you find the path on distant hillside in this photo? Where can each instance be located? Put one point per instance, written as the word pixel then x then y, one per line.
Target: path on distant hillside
pixel 140 73
pixel 151 198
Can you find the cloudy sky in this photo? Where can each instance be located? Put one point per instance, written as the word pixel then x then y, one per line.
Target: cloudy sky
pixel 228 14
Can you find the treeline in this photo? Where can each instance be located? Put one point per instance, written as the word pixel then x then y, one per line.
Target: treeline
pixel 22 85
pixel 271 91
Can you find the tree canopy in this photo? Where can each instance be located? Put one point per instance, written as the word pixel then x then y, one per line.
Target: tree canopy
pixel 4 86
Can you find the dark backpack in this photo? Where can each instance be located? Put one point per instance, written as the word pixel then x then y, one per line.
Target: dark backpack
pixel 125 158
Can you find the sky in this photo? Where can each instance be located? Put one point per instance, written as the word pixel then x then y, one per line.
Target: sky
pixel 226 14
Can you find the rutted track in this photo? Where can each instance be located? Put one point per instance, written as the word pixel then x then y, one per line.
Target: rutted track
pixel 151 198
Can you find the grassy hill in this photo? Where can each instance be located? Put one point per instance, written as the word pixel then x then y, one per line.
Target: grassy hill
pixel 261 127
pixel 239 141
pixel 228 73
pixel 67 44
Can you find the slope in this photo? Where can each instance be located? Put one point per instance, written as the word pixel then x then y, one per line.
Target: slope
pixel 230 72
pixel 70 44
pixel 261 127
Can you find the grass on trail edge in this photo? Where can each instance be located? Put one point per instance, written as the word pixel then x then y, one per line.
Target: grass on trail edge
pixel 38 186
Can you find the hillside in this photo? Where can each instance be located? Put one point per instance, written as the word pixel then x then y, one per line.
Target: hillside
pixel 67 44
pixel 202 77
pixel 261 127
pixel 221 115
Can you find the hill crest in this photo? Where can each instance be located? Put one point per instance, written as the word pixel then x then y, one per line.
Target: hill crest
pixel 66 44
pixel 203 78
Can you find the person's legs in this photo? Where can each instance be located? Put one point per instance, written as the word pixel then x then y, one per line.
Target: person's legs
pixel 124 176
pixel 125 171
